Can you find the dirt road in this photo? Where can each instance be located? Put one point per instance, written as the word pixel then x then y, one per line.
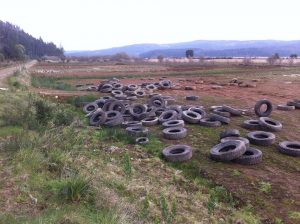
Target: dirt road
pixel 4 73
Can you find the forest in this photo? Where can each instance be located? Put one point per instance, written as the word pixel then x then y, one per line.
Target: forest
pixel 16 44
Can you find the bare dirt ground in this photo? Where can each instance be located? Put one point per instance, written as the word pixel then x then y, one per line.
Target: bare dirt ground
pixel 245 183
pixel 4 73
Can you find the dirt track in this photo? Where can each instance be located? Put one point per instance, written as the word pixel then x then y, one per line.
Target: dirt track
pixel 4 73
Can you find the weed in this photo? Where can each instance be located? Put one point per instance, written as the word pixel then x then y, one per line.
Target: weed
pixel 50 82
pixel 294 215
pixel 216 195
pixel 44 112
pixel 168 214
pixel 146 204
pixel 126 165
pixel 265 187
pixel 236 173
pixel 78 101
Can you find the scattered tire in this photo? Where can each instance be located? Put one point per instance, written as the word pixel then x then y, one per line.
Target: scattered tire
pixel 157 101
pixel 126 124
pixel 269 124
pixel 259 104
pixel 216 117
pixel 136 110
pixel 221 112
pixel 165 84
pixel 178 109
pixel 90 107
pixel 252 156
pixel 117 106
pixel 174 133
pixel 198 110
pixel 191 117
pixel 98 117
pixel 132 87
pixel 177 153
pixel 227 151
pixel 150 121
pixel 285 107
pixel 251 124
pixel 261 138
pixel 245 140
pixel 230 133
pixel 142 140
pixel 192 98
pixel 167 116
pixel 207 122
pixel 137 131
pixel 232 111
pixel 291 148
pixel 173 123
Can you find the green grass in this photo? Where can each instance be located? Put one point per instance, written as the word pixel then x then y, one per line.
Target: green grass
pixel 50 82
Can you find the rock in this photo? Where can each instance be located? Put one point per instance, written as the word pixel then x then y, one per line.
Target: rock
pixel 216 87
pixel 112 149
pixel 189 87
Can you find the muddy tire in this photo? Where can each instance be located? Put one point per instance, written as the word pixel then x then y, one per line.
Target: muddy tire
pixel 174 133
pixel 230 133
pixel 127 124
pixel 216 117
pixel 142 141
pixel 90 107
pixel 198 110
pixel 173 123
pixel 227 151
pixel 252 156
pixel 285 107
pixel 117 106
pixel 157 101
pixel 207 122
pixel 98 117
pixel 261 138
pixel 251 124
pixel 136 110
pixel 191 117
pixel 114 122
pixel 232 111
pixel 269 124
pixel 192 98
pixel 221 112
pixel 137 131
pixel 291 148
pixel 150 121
pixel 177 153
pixel 245 140
pixel 167 116
pixel 132 87
pixel 259 104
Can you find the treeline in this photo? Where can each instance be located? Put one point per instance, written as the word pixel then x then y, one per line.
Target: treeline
pixel 18 45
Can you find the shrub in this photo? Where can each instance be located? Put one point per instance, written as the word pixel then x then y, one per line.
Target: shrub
pixel 126 163
pixel 44 112
pixel 63 117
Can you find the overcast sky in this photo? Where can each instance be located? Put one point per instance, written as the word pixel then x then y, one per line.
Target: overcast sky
pixel 98 24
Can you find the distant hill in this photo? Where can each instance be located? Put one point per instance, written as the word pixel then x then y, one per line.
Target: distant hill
pixel 210 48
pixel 16 43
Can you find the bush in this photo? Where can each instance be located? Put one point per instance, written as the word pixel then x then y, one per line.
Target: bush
pixel 63 117
pixel 79 100
pixel 44 112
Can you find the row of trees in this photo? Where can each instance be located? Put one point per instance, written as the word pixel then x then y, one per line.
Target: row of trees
pixel 17 45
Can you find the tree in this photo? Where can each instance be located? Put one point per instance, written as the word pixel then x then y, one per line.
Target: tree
pixel 247 61
pixel 20 51
pixel 189 53
pixel 122 56
pixel 1 57
pixel 275 58
pixel 294 56
pixel 160 58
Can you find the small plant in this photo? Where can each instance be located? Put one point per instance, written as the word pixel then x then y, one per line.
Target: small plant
pixel 294 215
pixel 168 215
pixel 63 117
pixel 145 209
pixel 74 189
pixel 216 195
pixel 265 187
pixel 126 163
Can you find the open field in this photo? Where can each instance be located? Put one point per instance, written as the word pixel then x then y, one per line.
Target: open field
pixel 204 191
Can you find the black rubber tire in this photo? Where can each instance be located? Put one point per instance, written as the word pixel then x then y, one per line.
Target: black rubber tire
pixel 258 105
pixel 191 117
pixel 150 121
pixel 245 140
pixel 100 102
pixel 142 141
pixel 139 93
pixel 230 133
pixel 107 104
pixel 291 148
pixel 232 111
pixel 216 117
pixel 177 153
pixel 117 86
pixel 136 131
pixel 221 112
pixel 165 84
pixel 261 138
pixel 207 122
pixel 285 107
pixel 174 133
pixel 90 107
pixel 151 87
pixel 132 87
pixel 151 111
pixel 186 107
pixel 227 151
pixel 159 111
pixel 178 109
pixel 157 101
pixel 251 124
pixel 173 123
pixel 252 156
pixel 117 106
pixel 114 122
pixel 106 88
pixel 269 124
pixel 126 124
pixel 116 92
pixel 98 117
pixel 167 116
pixel 198 110
pixel 192 98
pixel 136 110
